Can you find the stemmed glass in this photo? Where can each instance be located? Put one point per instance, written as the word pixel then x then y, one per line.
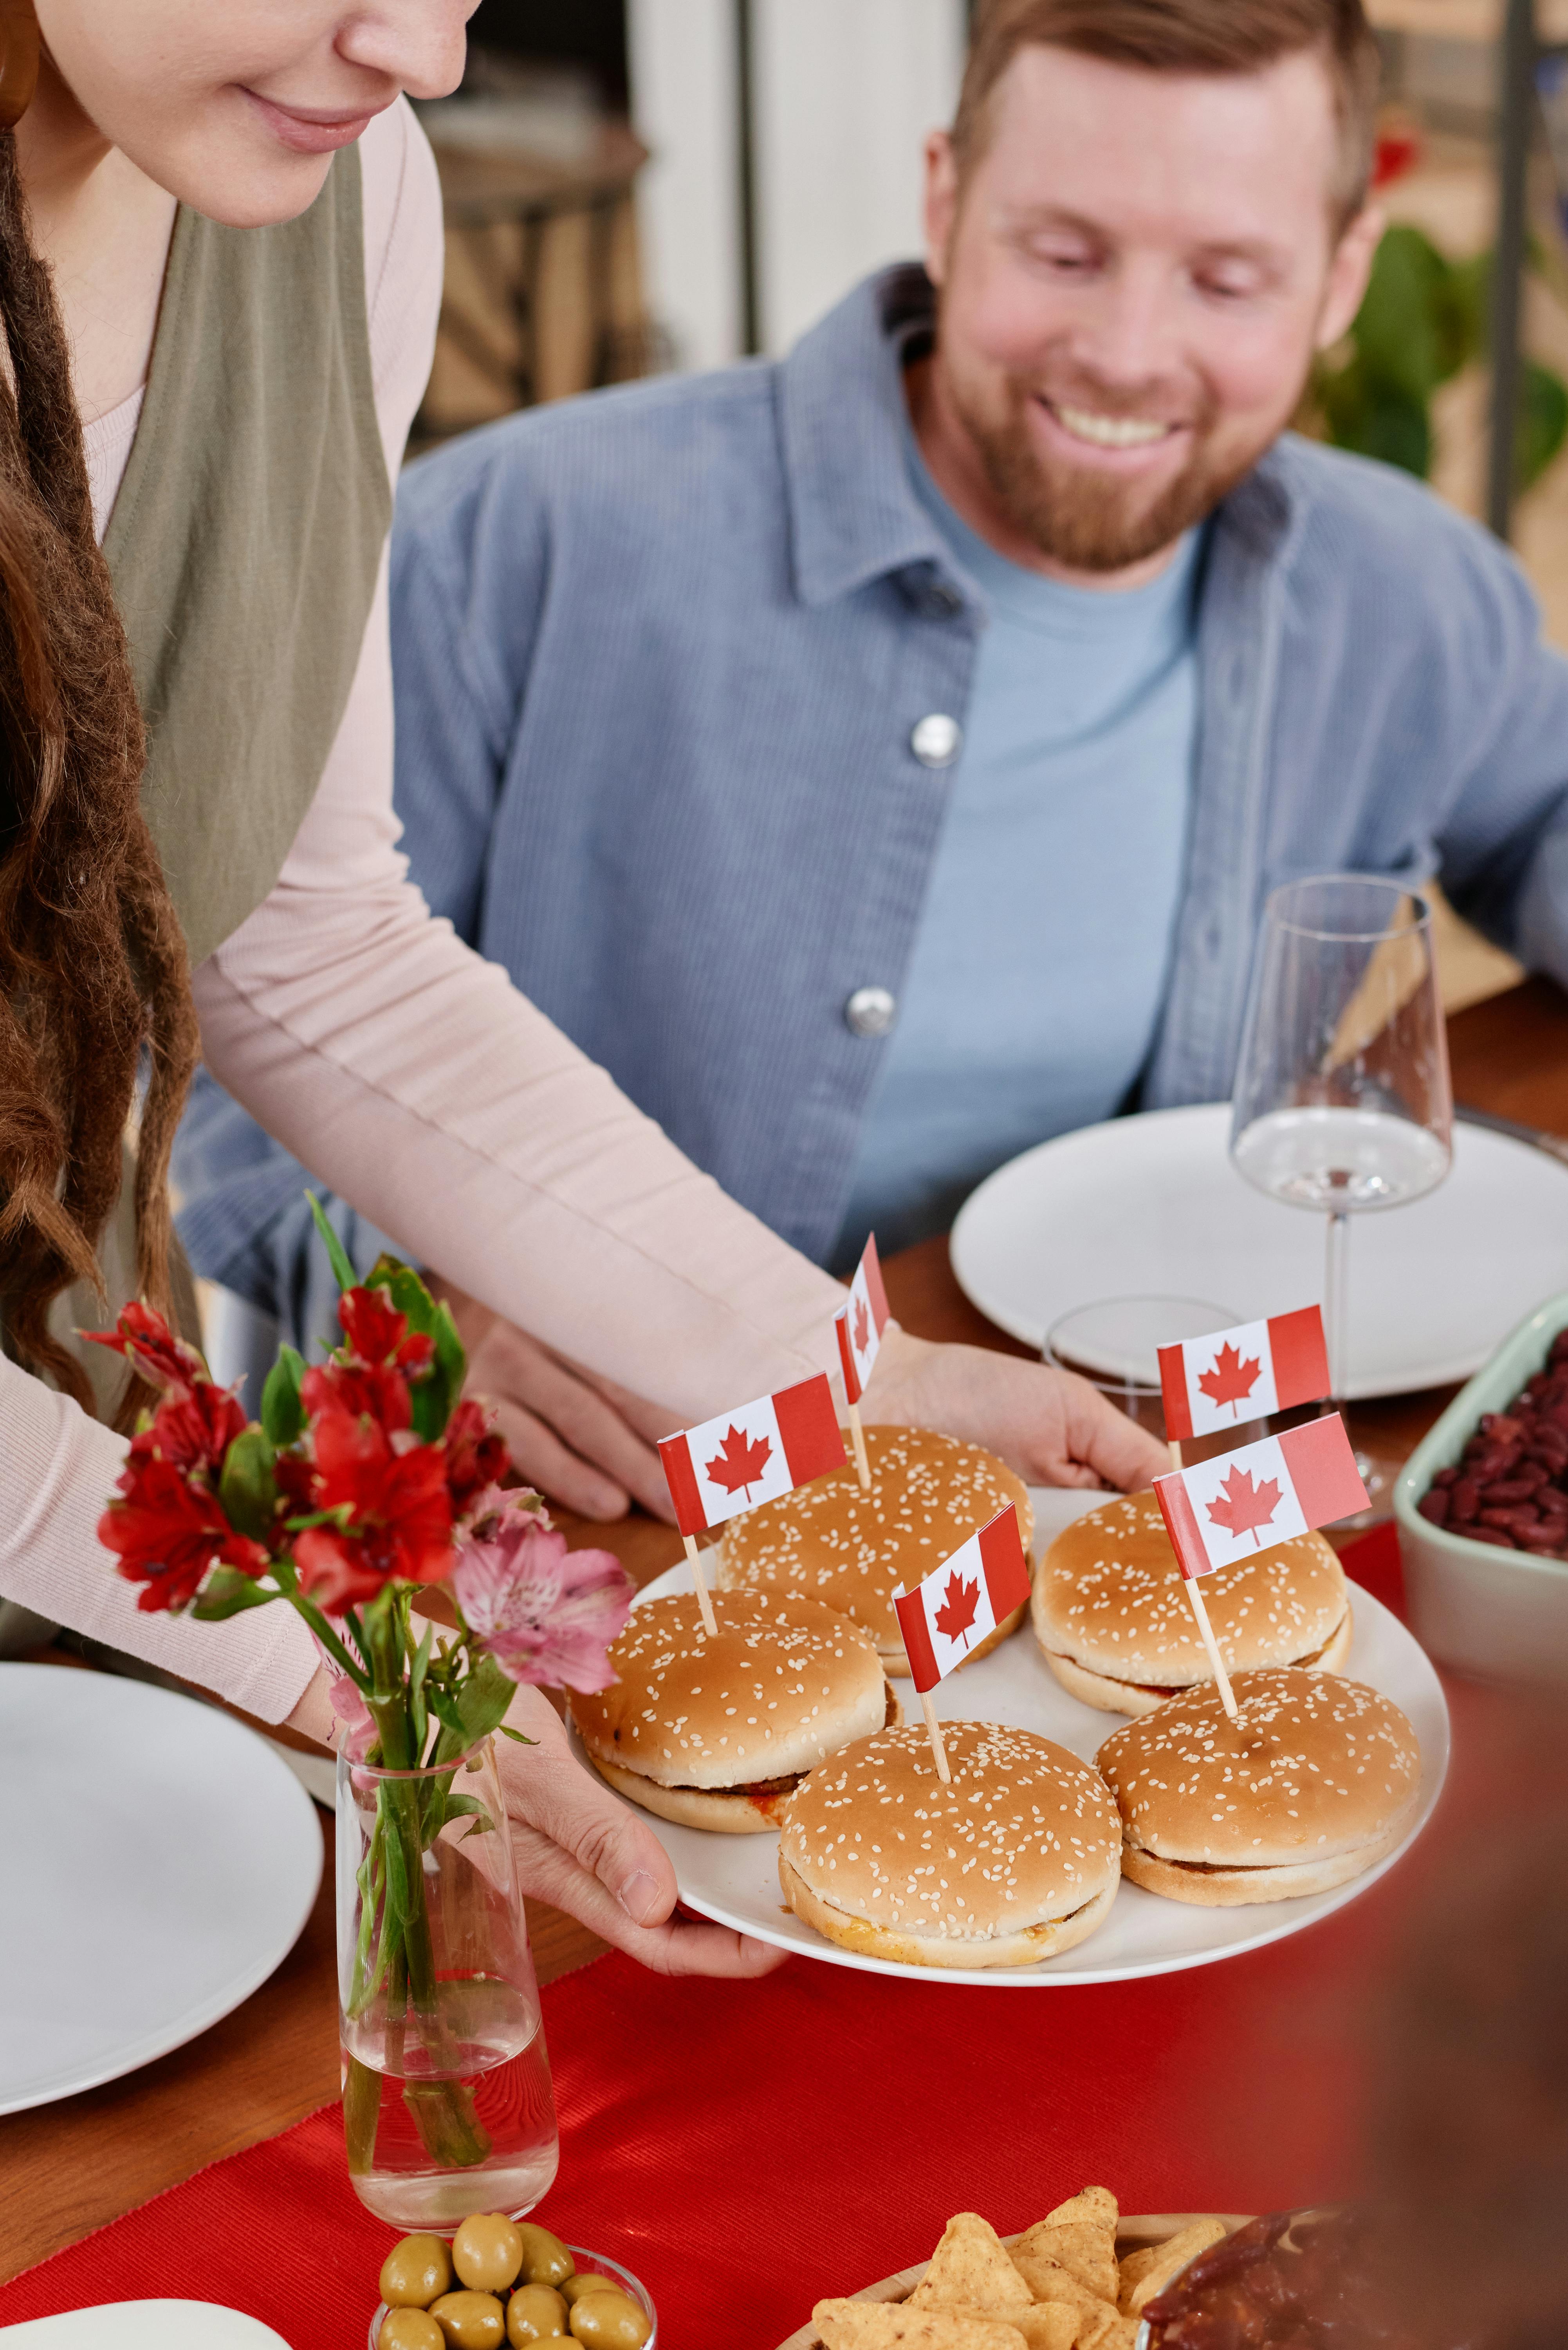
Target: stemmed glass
pixel 1342 1101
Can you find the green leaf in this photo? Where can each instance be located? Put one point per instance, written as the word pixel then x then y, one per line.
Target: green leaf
pixel 1399 333
pixel 444 1707
pixel 1375 420
pixel 400 1895
pixel 227 1592
pixel 482 1704
pixel 247 1488
pixel 460 1807
pixel 343 1270
pixel 507 1731
pixel 1542 424
pixel 283 1413
pixel 418 1715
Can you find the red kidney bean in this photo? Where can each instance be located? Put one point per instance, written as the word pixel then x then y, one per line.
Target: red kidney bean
pixel 1493 1535
pixel 1512 1489
pixel 1434 1506
pixel 1464 1499
pixel 1542 1543
pixel 1446 1477
pixel 1512 1521
pixel 1500 1427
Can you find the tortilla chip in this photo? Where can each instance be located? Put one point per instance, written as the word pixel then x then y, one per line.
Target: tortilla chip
pixel 970 2270
pixel 1146 2273
pixel 1103 2329
pixel 896 2325
pixel 1092 2207
pixel 1054 2285
pixel 1086 2251
pixel 1052 2326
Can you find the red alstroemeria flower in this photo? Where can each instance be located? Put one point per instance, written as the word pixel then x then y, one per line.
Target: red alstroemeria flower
pixel 377 1394
pixel 397 1515
pixel 167 1531
pixel 144 1338
pixel 194 1431
pixel 476 1456
pixel 378 1335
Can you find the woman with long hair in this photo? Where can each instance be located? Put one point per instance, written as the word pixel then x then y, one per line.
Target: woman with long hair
pixel 220 270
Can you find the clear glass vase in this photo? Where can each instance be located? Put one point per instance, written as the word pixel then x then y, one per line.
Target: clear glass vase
pixel 447 2102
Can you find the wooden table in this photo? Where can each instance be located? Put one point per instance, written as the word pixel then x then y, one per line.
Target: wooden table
pixel 67 2168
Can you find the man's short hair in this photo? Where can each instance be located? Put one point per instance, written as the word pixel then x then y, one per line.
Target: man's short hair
pixel 1212 37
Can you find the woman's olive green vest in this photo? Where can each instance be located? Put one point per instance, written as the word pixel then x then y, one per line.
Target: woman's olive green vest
pixel 243 546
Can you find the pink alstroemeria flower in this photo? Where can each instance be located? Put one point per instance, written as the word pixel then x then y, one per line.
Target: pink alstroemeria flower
pixel 359 1731
pixel 546 1614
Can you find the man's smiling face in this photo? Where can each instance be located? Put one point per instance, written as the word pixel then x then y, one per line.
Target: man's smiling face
pixel 1134 277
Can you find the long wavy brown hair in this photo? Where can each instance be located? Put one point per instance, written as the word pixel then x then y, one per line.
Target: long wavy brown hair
pixel 94 980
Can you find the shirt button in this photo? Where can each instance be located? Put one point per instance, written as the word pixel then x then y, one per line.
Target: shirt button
pixel 937 740
pixel 870 1011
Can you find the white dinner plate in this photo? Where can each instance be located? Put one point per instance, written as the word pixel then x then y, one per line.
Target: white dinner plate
pixel 734 1879
pixel 1151 1206
pixel 161 1859
pixel 145 2325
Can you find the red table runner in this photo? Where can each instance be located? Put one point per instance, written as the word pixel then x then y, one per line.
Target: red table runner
pixel 746 2147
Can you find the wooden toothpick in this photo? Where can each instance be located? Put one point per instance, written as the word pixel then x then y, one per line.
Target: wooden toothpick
pixel 1195 1597
pixel 704 1596
pixel 858 1436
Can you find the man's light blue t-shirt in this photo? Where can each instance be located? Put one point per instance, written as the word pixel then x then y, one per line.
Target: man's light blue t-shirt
pixel 1029 1005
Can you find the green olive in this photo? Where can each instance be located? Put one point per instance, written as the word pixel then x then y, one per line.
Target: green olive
pixel 416 2272
pixel 410 2329
pixel 471 2321
pixel 609 2320
pixel 487 2251
pixel 545 2259
pixel 536 2312
pixel 572 2288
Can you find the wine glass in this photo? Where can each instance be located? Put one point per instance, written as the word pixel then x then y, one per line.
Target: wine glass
pixel 1343 1102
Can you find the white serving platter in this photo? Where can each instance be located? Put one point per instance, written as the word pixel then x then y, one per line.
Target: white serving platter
pixel 161 1859
pixel 1151 1206
pixel 144 2325
pixel 733 1879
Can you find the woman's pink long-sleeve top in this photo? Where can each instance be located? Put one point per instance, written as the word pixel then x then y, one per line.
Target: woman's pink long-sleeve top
pixel 415 1080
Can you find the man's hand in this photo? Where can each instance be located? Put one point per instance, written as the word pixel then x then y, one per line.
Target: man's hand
pixel 580 1440
pixel 582 1849
pixel 1050 1427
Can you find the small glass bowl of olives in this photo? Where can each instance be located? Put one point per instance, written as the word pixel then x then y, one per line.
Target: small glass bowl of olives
pixel 502 2283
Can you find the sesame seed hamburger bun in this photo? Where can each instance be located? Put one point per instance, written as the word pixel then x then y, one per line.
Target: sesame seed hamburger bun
pixel 829 1541
pixel 1117 1628
pixel 1017 1858
pixel 1316 1779
pixel 713 1733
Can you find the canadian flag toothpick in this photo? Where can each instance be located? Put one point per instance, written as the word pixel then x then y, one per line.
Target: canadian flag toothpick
pixel 749 1455
pixel 1232 1506
pixel 1216 1383
pixel 860 1329
pixel 946 1617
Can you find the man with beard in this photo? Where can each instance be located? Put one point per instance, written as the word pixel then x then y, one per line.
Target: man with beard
pixel 878 759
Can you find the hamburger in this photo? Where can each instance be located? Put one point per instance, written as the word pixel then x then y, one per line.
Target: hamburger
pixel 713 1733
pixel 1316 1780
pixel 830 1542
pixel 1117 1628
pixel 1017 1858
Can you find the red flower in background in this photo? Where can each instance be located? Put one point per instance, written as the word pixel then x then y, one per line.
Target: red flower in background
pixel 476 1456
pixel 145 1339
pixel 167 1533
pixel 380 1395
pixel 398 1516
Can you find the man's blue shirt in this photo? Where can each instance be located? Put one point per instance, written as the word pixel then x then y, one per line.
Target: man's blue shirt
pixel 1040 963
pixel 662 656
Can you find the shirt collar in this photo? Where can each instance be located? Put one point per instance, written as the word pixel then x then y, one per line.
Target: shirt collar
pixel 854 513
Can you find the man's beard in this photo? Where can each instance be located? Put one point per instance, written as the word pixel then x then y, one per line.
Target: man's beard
pixel 1090 521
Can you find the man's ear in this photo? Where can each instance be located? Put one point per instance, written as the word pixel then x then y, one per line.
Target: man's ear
pixel 940 204
pixel 1348 273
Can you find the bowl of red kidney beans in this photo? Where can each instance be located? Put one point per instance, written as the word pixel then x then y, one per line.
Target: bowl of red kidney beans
pixel 1483 1512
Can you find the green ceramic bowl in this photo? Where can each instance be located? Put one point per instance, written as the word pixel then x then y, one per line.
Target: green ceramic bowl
pixel 1499 1615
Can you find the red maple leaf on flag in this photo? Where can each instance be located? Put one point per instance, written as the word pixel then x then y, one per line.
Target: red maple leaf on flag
pixel 862 1326
pixel 737 1465
pixel 1246 1506
pixel 1229 1378
pixel 960 1602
